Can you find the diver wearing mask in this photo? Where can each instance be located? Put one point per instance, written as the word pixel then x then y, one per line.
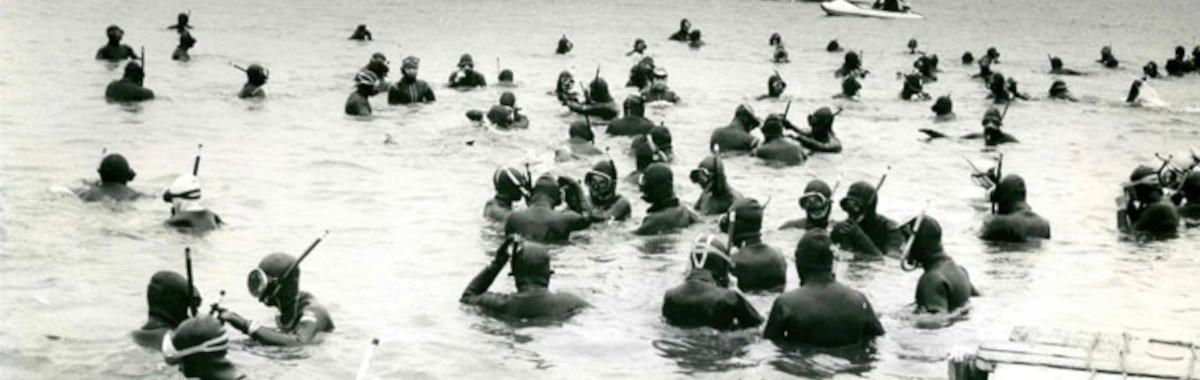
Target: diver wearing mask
pixel 531 272
pixel 607 205
pixel 365 87
pixel 775 148
pixel 736 136
pixel 757 266
pixel 541 222
pixel 1145 209
pixel 869 235
pixel 511 186
pixel 945 286
pixel 599 102
pixel 115 51
pixel 666 214
pixel 186 211
pixel 199 347
pixel 466 77
pixel 817 204
pixel 168 299
pixel 409 89
pixel 114 173
pixel 635 122
pixel 821 138
pixel 704 299
pixel 256 77
pixel 276 283
pixel 716 195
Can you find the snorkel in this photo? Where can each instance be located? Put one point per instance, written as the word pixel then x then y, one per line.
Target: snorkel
pixel 266 288
pixel 907 263
pixel 192 304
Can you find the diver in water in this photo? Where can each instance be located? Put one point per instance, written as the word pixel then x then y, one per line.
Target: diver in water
pixel 927 66
pixel 684 31
pixel 506 115
pixel 914 87
pixel 821 312
pixel 365 86
pixel 256 77
pixel 992 55
pixel 665 214
pixel 1012 89
pixel 505 78
pixel 466 77
pixel 999 89
pixel 716 196
pixel 186 42
pixel 607 205
pixel 1107 58
pixel 866 233
pixel 379 66
pixel 129 88
pixel 775 148
pixel 1059 91
pixel 658 90
pixel 736 136
pixel 168 298
pixel 817 203
pixel 564 46
pixel 634 123
pixel 115 51
pixel 775 40
pixel 943 109
pixel 115 173
pixel 1190 209
pixel 599 102
pixel 704 299
pixel 912 46
pixel 199 346
pixel 581 143
pixel 639 47
pixel 821 138
pixel 833 47
pixel 1014 220
pixel 531 272
pixel 850 88
pixel 564 89
pixel 1179 65
pixel 1150 70
pixel 945 286
pixel 757 266
pixel 511 186
pixel 641 74
pixel 541 222
pixel 362 34
pixel 775 87
pixel 992 135
pixel 968 58
pixel 1144 208
pixel 181 22
pixel 694 39
pixel 276 283
pixel 780 55
pixel 851 66
pixel 186 211
pixel 1056 68
pixel 410 89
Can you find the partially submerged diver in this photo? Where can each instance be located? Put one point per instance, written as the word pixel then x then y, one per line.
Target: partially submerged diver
pixel 115 173
pixel 704 299
pixel 276 283
pixel 187 214
pixel 530 269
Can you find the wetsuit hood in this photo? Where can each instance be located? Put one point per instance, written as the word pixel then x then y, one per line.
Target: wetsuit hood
pixel 508 99
pixel 745 115
pixel 256 75
pixel 506 76
pixel 608 170
pixel 500 115
pixel 581 129
pixel 772 127
pixel 200 345
pixel 1056 63
pixel 993 118
pixel 167 298
pixel 547 186
pixel 747 216
pixel 510 183
pixel 657 184
pixel 775 39
pixel 833 46
pixel 1059 88
pixel 274 266
pixel 466 61
pixel 645 152
pixel 821 119
pixel 635 106
pixel 1009 193
pixel 115 169
pixel 565 80
pixel 813 253
pixel 599 91
pixel 852 61
pixel 712 168
pixel 133 71
pixel 943 105
pixel 184 194
pixel 772 90
pixel 866 196
pixel 850 86
pixel 531 265
pixel 820 187
pixel 968 58
pixel 661 137
pixel 927 244
pixel 694 36
pixel 709 254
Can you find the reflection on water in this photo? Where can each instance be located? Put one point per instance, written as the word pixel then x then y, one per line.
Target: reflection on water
pixel 707 350
pixel 821 363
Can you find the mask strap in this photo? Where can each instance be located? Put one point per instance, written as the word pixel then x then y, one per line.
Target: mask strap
pixel 909 244
pixel 220 343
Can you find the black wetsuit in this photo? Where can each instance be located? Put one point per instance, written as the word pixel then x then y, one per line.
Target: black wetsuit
pixel 732 138
pixel 530 302
pixel 114 191
pixel 759 267
pixel 667 216
pixel 114 53
pixel 543 224
pixel 944 287
pixel 410 90
pixel 822 313
pixel 126 90
pixel 469 79
pixel 195 221
pixel 700 302
pixel 781 151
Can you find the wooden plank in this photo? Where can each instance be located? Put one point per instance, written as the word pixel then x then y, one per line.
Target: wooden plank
pixel 1136 362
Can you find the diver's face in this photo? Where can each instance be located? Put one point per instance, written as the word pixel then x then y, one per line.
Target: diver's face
pixel 686 24
pixel 115 35
pixel 778 86
pixel 853 206
pixel 565 84
pixel 640 46
pixel 409 72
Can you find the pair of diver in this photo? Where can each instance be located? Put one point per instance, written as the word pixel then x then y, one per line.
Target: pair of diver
pixel 541 221
pixel 187 213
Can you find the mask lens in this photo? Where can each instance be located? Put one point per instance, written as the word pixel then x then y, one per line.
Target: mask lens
pixel 851 206
pixel 700 176
pixel 257 283
pixel 814 201
pixel 597 183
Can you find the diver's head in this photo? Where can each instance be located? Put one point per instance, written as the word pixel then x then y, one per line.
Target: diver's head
pixel 184 194
pixel 199 346
pixel 860 200
pixel 546 189
pixel 710 253
pixel 772 127
pixel 409 66
pixel 565 81
pixel 821 121
pixel 817 200
pixel 634 106
pixel 466 62
pixel 852 60
pixel 602 181
pixel 912 44
pixel 814 257
pixel 510 184
pixel 993 53
pixel 685 24
pixel 775 39
pixel 1179 52
pixel 1056 63
pixel 709 174
pixel 968 58
pixel 581 130
pixel 115 169
pixel 266 282
pixel 657 183
pixel 168 298
pixel 133 72
pixel 1059 89
pixel 943 106
pixel 775 86
pixel 833 46
pixel 256 75
pixel 746 215
pixel 745 115
pixel 1144 185
pixel 639 45
pixel 1191 187
pixel 850 86
pixel 599 90
pixel 530 266
pixel 182 19
pixel 114 33
pixel 1009 194
pixel 365 82
pixel 506 76
pixel 925 240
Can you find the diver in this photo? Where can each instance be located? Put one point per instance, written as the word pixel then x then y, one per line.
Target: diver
pixel 634 123
pixel 943 109
pixel 1012 89
pixel 506 115
pixel 945 286
pixel 599 102
pixel 115 51
pixel 817 203
pixel 199 346
pixel 968 58
pixel 985 70
pixel 1107 58
pixel 641 74
pixel 992 55
pixel 736 136
pixel 511 186
pixel 850 88
pixel 926 66
pixel 256 77
pixel 169 298
pixel 757 266
pixel 716 196
pixel 1056 68
pixel 704 299
pixel 914 87
pixel 505 78
pixel 541 222
pixel 276 283
pixel 851 66
pixel 186 211
pixel 379 66
pixel 365 86
pixel 775 148
pixel 466 77
pixel 833 47
pixel 867 234
pixel 1059 90
pixel 581 143
pixel 1190 210
pixel 992 135
pixel 685 27
pixel 531 272
pixel 821 312
pixel 639 47
pixel 129 88
pixel 564 89
pixel 775 87
pixel 115 173
pixel 775 40
pixel 1179 65
pixel 658 90
pixel 912 46
pixel 780 55
pixel 1150 70
pixel 999 90
pixel 181 22
pixel 607 205
pixel 1144 209
pixel 1014 220
pixel 186 42
pixel 821 139
pixel 410 89
pixel 362 34
pixel 694 40
pixel 665 214
pixel 564 46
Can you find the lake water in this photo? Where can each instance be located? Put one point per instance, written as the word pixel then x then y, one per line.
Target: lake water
pixel 405 219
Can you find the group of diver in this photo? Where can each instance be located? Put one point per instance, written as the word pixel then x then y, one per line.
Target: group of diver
pixel 723 263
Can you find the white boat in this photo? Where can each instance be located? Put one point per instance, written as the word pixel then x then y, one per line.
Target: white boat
pixel 845 8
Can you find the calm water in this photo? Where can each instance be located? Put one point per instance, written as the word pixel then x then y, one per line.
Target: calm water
pixel 407 234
